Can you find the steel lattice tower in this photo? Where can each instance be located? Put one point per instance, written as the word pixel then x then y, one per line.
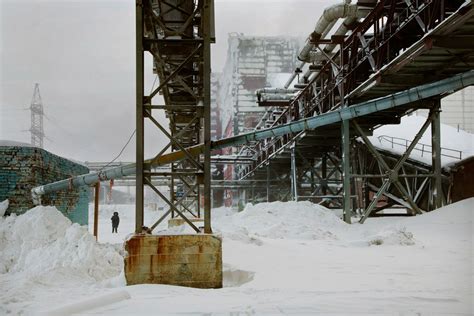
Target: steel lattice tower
pixel 36 108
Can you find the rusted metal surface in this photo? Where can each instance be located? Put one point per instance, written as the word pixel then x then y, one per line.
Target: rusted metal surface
pixel 184 260
pixel 96 209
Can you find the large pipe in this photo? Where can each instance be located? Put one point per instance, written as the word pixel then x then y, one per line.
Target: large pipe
pixel 108 174
pixel 329 16
pixel 275 94
pixel 275 91
pixel 442 87
pixel 439 88
pixel 351 13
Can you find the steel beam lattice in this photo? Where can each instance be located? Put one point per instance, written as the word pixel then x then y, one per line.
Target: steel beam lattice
pixel 177 34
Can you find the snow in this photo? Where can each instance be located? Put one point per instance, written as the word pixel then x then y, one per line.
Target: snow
pixel 43 252
pixel 279 258
pixel 90 303
pixel 11 143
pixel 453 142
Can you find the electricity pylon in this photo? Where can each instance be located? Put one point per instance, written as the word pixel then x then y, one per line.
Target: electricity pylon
pixel 36 129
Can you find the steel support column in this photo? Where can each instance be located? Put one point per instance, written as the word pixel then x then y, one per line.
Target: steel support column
pixel 324 174
pixel 346 143
pixel 206 72
pixel 140 133
pixel 436 153
pixel 346 174
pixel 177 33
pixel 268 182
pixel 294 174
pixel 96 209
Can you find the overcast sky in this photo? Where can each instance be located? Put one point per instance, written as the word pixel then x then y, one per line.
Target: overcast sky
pixel 82 55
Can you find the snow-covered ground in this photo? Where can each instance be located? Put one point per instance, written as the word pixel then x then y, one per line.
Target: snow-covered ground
pixel 279 258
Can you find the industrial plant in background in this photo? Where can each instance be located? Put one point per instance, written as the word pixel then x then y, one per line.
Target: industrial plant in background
pixel 253 62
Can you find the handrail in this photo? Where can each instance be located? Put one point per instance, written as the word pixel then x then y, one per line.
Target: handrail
pixel 424 148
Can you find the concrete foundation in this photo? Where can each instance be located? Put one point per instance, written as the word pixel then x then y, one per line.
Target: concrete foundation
pixel 184 260
pixel 178 221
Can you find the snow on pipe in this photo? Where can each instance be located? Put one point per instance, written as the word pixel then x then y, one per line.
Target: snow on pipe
pixel 330 15
pixel 275 97
pixel 350 12
pixel 318 56
pixel 442 87
pixel 275 91
pixel 275 94
pixel 361 13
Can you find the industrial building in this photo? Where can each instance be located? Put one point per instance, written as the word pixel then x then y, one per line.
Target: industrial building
pixel 252 62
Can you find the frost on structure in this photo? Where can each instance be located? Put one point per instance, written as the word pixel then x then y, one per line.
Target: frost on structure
pixel 253 62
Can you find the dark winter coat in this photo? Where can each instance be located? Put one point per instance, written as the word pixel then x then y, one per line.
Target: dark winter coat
pixel 115 220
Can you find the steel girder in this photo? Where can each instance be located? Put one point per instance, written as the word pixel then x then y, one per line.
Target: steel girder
pixel 405 192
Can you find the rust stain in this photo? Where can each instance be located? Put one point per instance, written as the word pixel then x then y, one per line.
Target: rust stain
pixel 188 260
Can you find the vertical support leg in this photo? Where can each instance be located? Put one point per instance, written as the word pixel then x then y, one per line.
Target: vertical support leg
pixel 172 191
pixel 252 194
pixel 268 182
pixel 96 209
pixel 207 114
pixel 436 155
pixel 312 176
pixel 324 174
pixel 346 176
pixel 294 177
pixel 140 134
pixel 198 206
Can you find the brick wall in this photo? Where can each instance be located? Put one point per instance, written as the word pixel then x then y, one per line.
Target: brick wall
pixel 22 168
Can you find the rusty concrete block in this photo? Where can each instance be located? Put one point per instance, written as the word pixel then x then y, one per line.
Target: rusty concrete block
pixel 184 260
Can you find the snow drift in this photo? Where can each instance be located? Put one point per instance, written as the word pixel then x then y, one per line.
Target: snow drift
pixel 44 241
pixel 287 220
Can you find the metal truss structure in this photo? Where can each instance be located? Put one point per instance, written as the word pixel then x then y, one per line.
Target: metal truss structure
pixel 37 114
pixel 177 33
pixel 397 45
pixel 401 57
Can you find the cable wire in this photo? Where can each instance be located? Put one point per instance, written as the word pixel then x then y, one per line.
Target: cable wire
pixel 120 153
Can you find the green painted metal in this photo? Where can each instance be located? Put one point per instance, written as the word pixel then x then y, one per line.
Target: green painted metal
pixel 439 88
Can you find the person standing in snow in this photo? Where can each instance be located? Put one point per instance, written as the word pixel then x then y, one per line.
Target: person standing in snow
pixel 115 222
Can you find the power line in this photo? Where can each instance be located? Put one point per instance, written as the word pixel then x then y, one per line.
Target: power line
pixel 153 85
pixel 123 148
